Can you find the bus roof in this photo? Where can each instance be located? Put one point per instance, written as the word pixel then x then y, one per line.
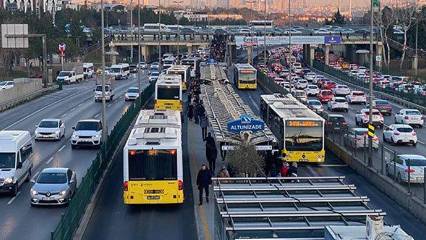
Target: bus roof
pixel 288 107
pixel 156 130
pixel 244 66
pixel 169 79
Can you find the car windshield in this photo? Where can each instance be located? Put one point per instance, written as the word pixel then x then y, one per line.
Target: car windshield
pixel 91 126
pixel 413 112
pixel 404 129
pixel 48 124
pixel 416 162
pixel 63 74
pixel 382 102
pixel 155 74
pixel 325 93
pixel 132 90
pixel 115 70
pixel 337 119
pixel 361 132
pixel 340 100
pixel 99 88
pixel 52 178
pixel 313 87
pixel 312 103
pixel 7 160
pixel 358 94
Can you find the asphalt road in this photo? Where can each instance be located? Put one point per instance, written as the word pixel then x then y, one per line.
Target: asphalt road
pixel 333 166
pixel 112 219
pixel 74 102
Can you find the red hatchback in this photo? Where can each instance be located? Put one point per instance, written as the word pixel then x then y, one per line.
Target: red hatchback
pixel 325 96
pixel 329 85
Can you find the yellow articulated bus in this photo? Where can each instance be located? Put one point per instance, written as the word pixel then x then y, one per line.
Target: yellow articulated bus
pixel 184 71
pixel 168 92
pixel 245 76
pixel 299 130
pixel 152 160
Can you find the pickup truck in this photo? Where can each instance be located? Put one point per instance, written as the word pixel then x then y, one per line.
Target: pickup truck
pixel 109 93
pixel 68 77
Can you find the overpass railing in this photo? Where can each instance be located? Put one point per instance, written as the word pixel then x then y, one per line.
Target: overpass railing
pixel 70 220
pixel 409 100
pixel 187 38
pixel 380 169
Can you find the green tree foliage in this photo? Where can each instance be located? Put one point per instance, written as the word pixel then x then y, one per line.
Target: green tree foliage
pixel 246 161
pixel 338 19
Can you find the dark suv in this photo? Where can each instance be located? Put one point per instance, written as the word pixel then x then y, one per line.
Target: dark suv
pixel 334 123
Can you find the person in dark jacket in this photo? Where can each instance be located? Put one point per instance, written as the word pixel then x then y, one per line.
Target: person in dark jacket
pixel 204 122
pixel 190 111
pixel 204 179
pixel 211 152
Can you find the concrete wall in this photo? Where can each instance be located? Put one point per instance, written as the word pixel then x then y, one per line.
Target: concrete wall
pixel 24 89
pixel 384 184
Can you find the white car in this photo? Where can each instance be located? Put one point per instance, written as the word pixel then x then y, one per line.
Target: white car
pixel 405 164
pixel 362 118
pixel 310 76
pixel 300 94
pixel 301 84
pixel 153 76
pixel 87 133
pixel 142 65
pixel 7 85
pixel 50 129
pixel 109 93
pixel 312 90
pixel 400 133
pixel 315 105
pixel 341 90
pixel 409 116
pixel 338 103
pixel 131 94
pixel 356 97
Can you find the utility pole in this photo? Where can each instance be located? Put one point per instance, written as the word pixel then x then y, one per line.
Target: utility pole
pixel 416 56
pixel 131 29
pixel 139 54
pixel 374 5
pixel 104 122
pixel 160 64
pixel 265 55
pixel 178 3
pixel 289 47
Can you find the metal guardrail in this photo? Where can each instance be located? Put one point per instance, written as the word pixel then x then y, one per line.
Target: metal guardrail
pixel 404 99
pixel 71 218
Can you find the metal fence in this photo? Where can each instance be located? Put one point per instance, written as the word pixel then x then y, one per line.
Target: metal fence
pixel 388 93
pixel 382 160
pixel 71 218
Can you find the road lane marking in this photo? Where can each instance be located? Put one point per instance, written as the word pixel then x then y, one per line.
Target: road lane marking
pixel 253 102
pixel 36 174
pixel 63 115
pixel 97 115
pixel 50 160
pixel 14 197
pixel 62 148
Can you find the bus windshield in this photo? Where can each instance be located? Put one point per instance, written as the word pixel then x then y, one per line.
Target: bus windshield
pixel 303 138
pixel 153 165
pixel 168 93
pixel 247 77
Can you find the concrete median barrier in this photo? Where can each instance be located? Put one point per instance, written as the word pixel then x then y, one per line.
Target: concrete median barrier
pixel 24 90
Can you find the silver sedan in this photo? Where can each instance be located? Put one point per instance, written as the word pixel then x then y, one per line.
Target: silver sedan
pixel 53 186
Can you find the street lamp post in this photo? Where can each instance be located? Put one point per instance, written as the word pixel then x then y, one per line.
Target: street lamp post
pixel 178 3
pixel 370 114
pixel 131 29
pixel 289 47
pixel 159 36
pixel 416 56
pixel 265 55
pixel 104 122
pixel 139 53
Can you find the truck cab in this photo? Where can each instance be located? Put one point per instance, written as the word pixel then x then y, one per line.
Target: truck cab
pixel 109 94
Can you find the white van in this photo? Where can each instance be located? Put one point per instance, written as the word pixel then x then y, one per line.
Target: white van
pixel 120 71
pixel 88 70
pixel 16 150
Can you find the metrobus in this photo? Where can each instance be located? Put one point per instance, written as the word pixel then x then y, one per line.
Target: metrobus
pixel 194 64
pixel 299 130
pixel 120 71
pixel 168 92
pixel 183 71
pixel 152 159
pixel 245 76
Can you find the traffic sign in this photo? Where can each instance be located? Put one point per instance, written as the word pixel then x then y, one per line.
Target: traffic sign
pixel 61 48
pixel 378 58
pixel 376 5
pixel 332 39
pixel 245 123
pixel 371 130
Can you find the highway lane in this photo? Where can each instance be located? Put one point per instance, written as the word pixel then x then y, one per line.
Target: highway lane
pixel 24 221
pixel 111 218
pixel 336 167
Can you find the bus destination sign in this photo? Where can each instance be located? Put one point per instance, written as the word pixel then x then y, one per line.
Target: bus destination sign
pixel 303 123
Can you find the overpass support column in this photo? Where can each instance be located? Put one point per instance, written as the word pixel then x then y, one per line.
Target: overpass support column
pixel 145 51
pixel 311 55
pixel 250 54
pixel 327 54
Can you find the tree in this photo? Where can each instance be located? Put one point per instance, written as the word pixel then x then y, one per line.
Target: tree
pixel 338 19
pixel 385 20
pixel 245 160
pixel 405 18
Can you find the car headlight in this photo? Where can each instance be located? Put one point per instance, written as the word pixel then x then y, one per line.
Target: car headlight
pixel 9 180
pixel 74 136
pixel 34 192
pixel 57 132
pixel 62 193
pixel 97 135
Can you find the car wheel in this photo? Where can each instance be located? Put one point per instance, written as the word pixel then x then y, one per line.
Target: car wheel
pixel 414 144
pixel 15 189
pixel 387 171
pixel 28 176
pixel 392 141
pixel 73 146
pixel 398 178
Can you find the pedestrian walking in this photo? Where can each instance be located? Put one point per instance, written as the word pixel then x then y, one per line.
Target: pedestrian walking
pixel 223 173
pixel 204 179
pixel 190 111
pixel 211 152
pixel 284 169
pixel 203 124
